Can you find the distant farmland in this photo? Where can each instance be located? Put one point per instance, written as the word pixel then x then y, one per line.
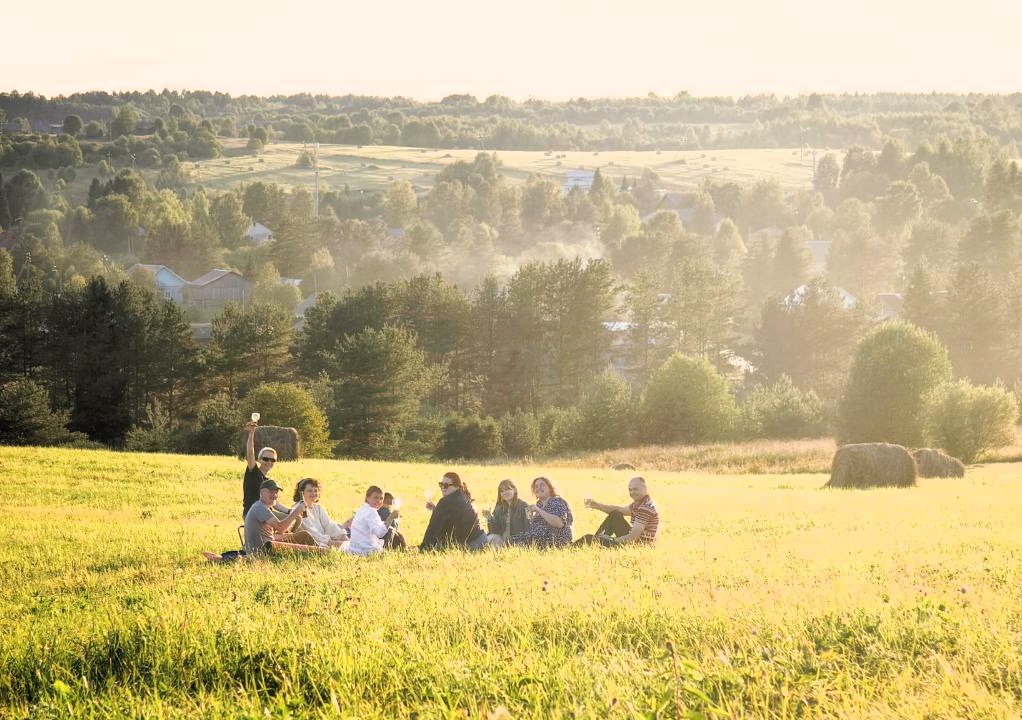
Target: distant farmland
pixel 372 167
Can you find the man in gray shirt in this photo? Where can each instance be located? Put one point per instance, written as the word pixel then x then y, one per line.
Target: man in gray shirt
pixel 263 526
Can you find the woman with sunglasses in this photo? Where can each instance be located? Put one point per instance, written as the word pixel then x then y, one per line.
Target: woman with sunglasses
pixel 508 517
pixel 454 522
pixel 315 520
pixel 256 473
pixel 549 519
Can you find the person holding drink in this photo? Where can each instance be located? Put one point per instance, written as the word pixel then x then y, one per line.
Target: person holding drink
pixel 615 531
pixel 508 516
pixel 550 518
pixel 256 472
pixel 367 529
pixel 454 522
pixel 315 520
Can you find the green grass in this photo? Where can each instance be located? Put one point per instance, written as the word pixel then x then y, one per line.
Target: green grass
pixel 766 597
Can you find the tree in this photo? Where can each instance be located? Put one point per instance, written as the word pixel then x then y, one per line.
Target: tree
pixel 976 319
pixel 72 125
pixel 470 437
pixel 229 219
pixel 828 172
pixel 400 206
pixel 291 405
pixel 893 369
pixel 606 413
pixel 967 420
pixel 686 401
pixel 809 337
pixel 24 193
pixel 249 346
pixel 381 378
pixel 26 417
pixel 124 121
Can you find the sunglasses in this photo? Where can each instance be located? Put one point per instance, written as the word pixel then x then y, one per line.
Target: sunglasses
pixel 445 485
pixel 267 460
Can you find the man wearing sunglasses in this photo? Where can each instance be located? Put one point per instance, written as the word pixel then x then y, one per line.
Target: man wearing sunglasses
pixel 256 472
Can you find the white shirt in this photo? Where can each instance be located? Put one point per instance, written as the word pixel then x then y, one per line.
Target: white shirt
pixel 318 524
pixel 367 531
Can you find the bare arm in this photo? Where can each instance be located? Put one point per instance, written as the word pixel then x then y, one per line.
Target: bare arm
pixel 284 524
pixel 549 518
pixel 625 510
pixel 250 457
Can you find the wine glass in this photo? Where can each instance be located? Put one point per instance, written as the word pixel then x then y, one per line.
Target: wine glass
pixel 396 505
pixel 255 417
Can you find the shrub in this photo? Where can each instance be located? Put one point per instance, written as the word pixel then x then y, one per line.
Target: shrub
pixel 967 420
pixel 606 413
pixel 782 411
pixel 26 417
pixel 558 429
pixel 519 432
pixel 470 437
pixel 893 369
pixel 216 427
pixel 291 405
pixel 154 435
pixel 687 401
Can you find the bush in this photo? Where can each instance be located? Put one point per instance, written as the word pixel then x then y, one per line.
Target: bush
pixel 782 411
pixel 893 369
pixel 967 420
pixel 558 430
pixel 471 438
pixel 686 401
pixel 519 432
pixel 217 426
pixel 606 413
pixel 26 417
pixel 154 435
pixel 291 405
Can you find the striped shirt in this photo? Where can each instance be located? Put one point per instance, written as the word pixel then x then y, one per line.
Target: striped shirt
pixel 643 511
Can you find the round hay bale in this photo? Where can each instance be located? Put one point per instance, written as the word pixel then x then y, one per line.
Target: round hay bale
pixel 868 465
pixel 622 466
pixel 284 440
pixel 933 463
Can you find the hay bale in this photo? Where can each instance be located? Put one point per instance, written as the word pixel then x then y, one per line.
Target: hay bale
pixel 938 464
pixel 622 466
pixel 284 440
pixel 866 465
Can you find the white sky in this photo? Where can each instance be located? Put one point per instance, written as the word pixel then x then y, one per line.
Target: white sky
pixel 551 49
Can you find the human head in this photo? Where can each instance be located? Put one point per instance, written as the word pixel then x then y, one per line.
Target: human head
pixel 269 490
pixel 307 484
pixel 507 493
pixel 637 488
pixel 267 458
pixel 452 482
pixel 544 486
pixel 374 497
pixel 388 499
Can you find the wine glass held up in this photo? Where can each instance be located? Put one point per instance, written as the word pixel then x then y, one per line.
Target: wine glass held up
pixel 255 417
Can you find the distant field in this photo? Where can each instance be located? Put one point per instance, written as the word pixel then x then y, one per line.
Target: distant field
pixel 372 167
pixel 766 597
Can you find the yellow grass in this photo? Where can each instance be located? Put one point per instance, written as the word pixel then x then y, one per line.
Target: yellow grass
pixel 765 597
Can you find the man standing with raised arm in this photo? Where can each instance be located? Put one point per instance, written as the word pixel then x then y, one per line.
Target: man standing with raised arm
pixel 615 530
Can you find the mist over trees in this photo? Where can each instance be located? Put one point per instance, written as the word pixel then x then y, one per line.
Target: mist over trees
pixel 486 316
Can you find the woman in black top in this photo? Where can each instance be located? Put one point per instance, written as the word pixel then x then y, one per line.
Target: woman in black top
pixel 454 520
pixel 508 516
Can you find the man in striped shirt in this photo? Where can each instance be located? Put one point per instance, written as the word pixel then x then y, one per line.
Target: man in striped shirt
pixel 615 529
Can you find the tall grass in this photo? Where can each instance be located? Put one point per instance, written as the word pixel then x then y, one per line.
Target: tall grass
pixel 766 597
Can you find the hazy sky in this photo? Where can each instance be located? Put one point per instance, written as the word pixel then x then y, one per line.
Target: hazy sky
pixel 554 49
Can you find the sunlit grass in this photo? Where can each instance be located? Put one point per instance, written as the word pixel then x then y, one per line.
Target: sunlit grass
pixel 766 597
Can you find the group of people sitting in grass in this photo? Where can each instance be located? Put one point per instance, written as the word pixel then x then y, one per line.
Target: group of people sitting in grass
pixel 453 522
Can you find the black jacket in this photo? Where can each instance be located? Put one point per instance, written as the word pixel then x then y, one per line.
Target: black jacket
pixel 454 522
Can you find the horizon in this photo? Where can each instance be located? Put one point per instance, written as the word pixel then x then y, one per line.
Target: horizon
pixel 544 51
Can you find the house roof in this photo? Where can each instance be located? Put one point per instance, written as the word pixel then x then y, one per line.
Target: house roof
pixel 259 229
pixel 213 276
pixel 155 270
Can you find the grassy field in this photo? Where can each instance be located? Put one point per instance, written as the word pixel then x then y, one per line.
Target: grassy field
pixel 766 597
pixel 372 167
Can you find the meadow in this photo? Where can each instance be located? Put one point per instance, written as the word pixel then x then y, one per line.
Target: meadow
pixel 766 597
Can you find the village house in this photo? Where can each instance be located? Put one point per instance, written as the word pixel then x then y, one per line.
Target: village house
pixel 217 288
pixel 259 234
pixel 169 284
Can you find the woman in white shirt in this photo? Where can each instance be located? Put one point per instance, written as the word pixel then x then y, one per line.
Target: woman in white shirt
pixel 367 529
pixel 316 521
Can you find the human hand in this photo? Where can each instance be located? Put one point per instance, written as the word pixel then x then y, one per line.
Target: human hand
pixel 430 505
pixel 395 514
pixel 251 425
pixel 487 514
